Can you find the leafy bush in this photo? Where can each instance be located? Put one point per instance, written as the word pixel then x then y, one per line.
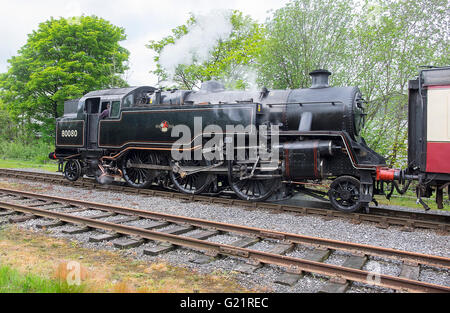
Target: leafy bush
pixel 31 151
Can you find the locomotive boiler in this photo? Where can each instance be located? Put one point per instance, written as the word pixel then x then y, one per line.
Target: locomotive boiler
pixel 154 137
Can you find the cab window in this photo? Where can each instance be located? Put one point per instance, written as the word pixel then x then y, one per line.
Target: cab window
pixel 115 109
pixel 128 101
pixel 104 106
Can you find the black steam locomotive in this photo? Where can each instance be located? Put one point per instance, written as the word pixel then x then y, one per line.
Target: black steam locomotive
pixel 315 133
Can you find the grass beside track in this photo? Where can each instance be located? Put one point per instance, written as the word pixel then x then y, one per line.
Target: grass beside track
pixel 51 166
pixel 35 262
pixel 12 281
pixel 410 201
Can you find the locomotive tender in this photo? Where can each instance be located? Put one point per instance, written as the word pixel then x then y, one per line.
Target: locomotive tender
pixel 315 131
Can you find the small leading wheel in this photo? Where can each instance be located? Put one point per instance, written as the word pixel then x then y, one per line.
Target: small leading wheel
pixel 344 194
pixel 72 170
pixel 194 183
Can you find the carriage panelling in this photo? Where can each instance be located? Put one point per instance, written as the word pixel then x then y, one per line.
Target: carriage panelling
pixel 438 129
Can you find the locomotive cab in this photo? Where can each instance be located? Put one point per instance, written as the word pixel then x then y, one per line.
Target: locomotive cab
pixel 76 140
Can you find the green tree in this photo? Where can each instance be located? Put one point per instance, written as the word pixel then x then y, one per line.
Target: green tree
pixel 8 130
pixel 376 45
pixel 391 39
pixel 231 60
pixel 303 36
pixel 62 59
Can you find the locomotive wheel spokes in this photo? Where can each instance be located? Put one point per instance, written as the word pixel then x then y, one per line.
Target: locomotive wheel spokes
pixel 344 194
pixel 72 170
pixel 194 183
pixel 252 189
pixel 138 177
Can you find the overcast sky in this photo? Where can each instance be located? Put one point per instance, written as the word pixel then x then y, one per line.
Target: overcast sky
pixel 142 20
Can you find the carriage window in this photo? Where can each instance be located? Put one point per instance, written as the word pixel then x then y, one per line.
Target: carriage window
pixel 115 108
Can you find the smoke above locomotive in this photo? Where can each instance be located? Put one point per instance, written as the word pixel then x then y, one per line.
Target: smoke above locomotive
pixel 265 144
pixel 196 45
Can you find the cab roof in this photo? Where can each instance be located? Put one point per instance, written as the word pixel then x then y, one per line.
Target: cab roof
pixel 113 92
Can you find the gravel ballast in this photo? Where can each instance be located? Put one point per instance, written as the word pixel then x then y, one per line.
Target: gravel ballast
pixel 421 241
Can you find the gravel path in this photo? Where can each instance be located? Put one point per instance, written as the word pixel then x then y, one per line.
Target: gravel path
pixel 422 241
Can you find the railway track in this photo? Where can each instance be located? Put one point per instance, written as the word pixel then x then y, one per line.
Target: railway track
pixel 383 217
pixel 171 231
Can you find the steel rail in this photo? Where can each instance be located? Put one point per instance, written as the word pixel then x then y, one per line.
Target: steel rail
pixel 383 216
pixel 249 231
pixel 223 249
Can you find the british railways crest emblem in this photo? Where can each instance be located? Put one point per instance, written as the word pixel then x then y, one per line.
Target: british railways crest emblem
pixel 164 126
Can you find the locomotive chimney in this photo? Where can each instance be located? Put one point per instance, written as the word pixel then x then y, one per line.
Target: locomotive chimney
pixel 320 79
